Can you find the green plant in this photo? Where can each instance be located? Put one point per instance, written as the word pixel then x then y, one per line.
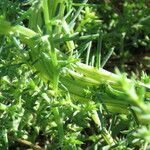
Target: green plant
pixel 49 91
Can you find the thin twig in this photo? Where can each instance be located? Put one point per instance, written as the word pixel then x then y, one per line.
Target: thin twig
pixel 25 142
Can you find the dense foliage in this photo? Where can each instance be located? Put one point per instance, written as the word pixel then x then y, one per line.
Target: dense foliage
pixel 54 91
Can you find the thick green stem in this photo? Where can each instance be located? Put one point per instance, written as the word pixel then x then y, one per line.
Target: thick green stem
pixel 83 76
pixel 59 122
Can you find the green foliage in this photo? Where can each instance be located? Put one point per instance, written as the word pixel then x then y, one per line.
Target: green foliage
pixel 51 96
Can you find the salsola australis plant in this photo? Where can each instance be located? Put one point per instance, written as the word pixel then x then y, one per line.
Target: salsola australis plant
pixel 49 46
